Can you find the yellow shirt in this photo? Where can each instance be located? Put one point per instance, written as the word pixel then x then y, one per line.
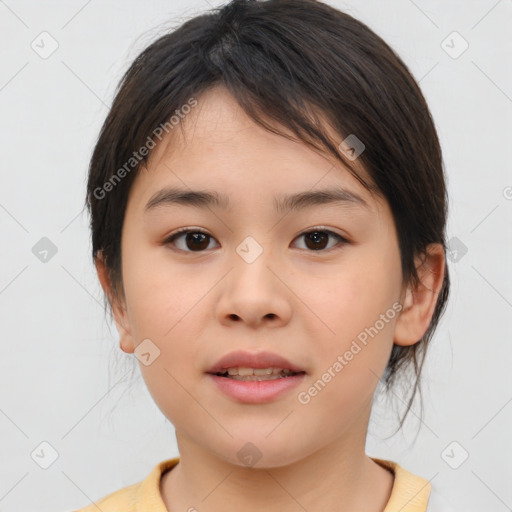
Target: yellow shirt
pixel 410 493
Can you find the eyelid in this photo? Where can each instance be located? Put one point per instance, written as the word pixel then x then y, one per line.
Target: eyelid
pixel 325 229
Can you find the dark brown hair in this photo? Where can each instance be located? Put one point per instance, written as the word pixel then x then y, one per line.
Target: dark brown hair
pixel 294 63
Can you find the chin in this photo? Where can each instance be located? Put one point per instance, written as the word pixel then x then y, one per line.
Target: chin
pixel 258 451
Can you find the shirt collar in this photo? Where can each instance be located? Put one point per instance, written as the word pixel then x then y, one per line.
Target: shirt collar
pixel 410 492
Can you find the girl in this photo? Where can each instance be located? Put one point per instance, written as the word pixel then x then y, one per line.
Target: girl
pixel 268 211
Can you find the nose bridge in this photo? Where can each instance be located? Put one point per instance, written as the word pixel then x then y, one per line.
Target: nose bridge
pixel 252 260
pixel 252 291
pixel 250 250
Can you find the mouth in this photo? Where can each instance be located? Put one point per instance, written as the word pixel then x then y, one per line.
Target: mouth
pixel 257 374
pixel 242 363
pixel 243 385
pixel 255 378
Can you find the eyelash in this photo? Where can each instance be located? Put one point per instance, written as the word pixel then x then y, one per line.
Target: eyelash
pixel 341 240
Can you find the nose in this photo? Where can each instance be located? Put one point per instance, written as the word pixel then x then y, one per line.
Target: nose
pixel 255 293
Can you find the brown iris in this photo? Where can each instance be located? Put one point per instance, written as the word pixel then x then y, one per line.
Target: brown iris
pixel 316 237
pixel 199 241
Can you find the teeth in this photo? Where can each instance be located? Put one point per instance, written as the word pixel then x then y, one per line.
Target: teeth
pixel 259 378
pixel 258 372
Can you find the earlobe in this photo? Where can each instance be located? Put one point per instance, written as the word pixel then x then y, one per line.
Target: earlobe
pixel 125 336
pixel 126 343
pixel 419 302
pixel 118 310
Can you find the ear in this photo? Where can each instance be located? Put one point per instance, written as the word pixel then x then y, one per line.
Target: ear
pixel 419 303
pixel 118 309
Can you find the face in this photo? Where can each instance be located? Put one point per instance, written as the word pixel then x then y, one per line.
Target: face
pixel 319 285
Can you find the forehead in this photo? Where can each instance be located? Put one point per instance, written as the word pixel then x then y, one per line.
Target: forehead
pixel 217 148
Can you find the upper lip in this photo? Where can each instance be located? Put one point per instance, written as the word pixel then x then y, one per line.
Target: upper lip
pixel 241 358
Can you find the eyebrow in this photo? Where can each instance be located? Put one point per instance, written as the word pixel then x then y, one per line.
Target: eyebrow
pixel 209 198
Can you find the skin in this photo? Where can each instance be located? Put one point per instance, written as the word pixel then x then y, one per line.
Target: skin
pixel 307 305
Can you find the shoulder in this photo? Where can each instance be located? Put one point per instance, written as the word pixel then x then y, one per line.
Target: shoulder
pixel 136 497
pixel 411 492
pixel 437 503
pixel 122 500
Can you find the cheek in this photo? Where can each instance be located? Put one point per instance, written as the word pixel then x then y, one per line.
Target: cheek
pixel 356 309
pixel 165 307
pixel 158 296
pixel 352 297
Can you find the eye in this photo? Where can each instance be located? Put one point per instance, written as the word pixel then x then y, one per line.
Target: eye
pixel 316 239
pixel 197 240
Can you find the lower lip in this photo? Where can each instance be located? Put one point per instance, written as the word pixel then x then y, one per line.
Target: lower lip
pixel 256 392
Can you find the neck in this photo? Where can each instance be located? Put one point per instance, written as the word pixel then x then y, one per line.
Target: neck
pixel 336 477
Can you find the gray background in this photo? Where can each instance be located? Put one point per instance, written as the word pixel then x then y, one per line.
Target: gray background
pixel 63 379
